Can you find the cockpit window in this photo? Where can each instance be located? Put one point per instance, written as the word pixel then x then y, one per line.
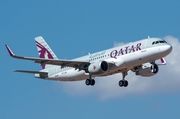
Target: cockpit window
pixel 161 41
pixel 157 42
pixel 164 41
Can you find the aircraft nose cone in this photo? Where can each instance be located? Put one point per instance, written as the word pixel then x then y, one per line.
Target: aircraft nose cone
pixel 168 48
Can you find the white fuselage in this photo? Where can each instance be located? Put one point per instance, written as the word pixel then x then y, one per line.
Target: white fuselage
pixel 121 58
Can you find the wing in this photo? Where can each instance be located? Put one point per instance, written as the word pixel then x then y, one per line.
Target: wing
pixel 69 63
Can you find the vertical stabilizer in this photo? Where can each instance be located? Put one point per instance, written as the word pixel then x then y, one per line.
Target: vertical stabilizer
pixel 44 50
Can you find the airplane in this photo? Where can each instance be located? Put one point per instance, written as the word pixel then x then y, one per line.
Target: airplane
pixel 139 57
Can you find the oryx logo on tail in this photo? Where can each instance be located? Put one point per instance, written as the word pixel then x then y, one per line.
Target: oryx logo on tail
pixel 44 50
pixel 43 53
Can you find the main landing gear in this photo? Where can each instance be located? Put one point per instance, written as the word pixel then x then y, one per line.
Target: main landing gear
pixel 123 82
pixel 90 81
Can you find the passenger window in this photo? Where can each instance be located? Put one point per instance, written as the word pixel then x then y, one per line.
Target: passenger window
pixel 157 42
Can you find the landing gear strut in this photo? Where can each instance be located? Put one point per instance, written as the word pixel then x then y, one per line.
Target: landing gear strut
pixel 123 82
pixel 90 81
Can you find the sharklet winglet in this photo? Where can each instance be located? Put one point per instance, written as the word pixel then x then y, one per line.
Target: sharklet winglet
pixel 163 61
pixel 9 51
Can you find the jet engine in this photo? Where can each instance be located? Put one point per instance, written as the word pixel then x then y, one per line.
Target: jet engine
pixel 147 69
pixel 98 67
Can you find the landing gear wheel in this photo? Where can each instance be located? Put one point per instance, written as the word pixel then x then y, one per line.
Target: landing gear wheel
pixel 88 82
pixel 92 82
pixel 125 83
pixel 121 83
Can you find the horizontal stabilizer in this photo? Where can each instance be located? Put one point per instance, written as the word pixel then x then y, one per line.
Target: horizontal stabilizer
pixel 31 72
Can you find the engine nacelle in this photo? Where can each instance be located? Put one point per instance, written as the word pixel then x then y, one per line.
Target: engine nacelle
pixel 147 70
pixel 98 67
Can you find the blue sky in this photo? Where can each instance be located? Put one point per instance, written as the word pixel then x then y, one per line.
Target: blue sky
pixel 72 29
